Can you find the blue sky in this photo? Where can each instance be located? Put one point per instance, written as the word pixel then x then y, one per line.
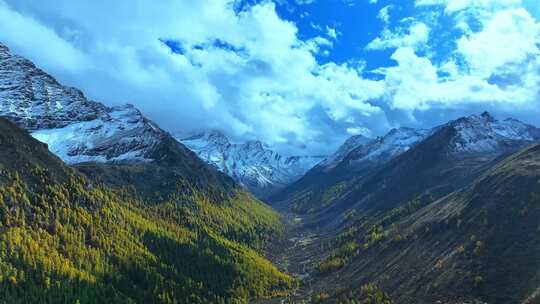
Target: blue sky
pixel 356 24
pixel 301 75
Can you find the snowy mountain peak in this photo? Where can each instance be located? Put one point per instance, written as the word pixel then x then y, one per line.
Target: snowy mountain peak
pixel 483 133
pixel 251 163
pixel 75 128
pixel 207 137
pixel 384 148
pixel 360 152
pixel 4 51
pixel 487 116
pixel 350 144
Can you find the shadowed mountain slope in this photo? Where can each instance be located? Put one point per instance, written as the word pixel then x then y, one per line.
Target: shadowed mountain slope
pixel 480 243
pixel 65 238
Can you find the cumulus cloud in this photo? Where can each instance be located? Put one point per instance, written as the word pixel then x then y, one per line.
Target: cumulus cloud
pixel 211 64
pixel 198 64
pixel 490 62
pixel 331 32
pixel 414 84
pixel 509 36
pixel 488 75
pixel 65 55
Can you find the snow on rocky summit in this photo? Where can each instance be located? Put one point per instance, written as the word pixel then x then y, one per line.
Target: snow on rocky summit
pixel 257 167
pixel 75 128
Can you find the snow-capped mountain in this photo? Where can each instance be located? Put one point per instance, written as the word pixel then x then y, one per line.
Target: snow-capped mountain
pixel 257 167
pixel 382 149
pixel 359 151
pixel 75 128
pixel 473 134
pixel 484 134
pixel 350 144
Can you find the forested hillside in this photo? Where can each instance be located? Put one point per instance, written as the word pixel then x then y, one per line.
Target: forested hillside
pixel 477 245
pixel 65 238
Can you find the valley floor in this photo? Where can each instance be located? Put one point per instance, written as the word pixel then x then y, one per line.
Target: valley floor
pixel 299 253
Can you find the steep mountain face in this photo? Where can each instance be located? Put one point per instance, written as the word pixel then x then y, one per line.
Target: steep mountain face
pixel 350 144
pixel 79 130
pixel 484 134
pixel 258 168
pixel 479 244
pixel 356 158
pixel 418 226
pixel 448 219
pixel 411 163
pixel 67 239
pixel 363 152
pixel 75 128
pixel 148 221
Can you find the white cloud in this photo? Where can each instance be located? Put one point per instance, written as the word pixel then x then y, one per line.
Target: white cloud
pixel 509 36
pixel 452 6
pixel 316 26
pixel 494 63
pixel 416 37
pixel 359 131
pixel 53 50
pixel 414 84
pixel 250 72
pixel 331 32
pixel 351 2
pixel 246 71
pixel 384 14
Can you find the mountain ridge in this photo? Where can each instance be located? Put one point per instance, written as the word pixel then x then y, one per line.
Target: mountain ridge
pixel 75 128
pixel 481 138
pixel 477 244
pixel 251 163
pixel 75 239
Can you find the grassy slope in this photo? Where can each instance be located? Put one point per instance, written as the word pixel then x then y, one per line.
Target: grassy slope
pixel 65 238
pixel 479 243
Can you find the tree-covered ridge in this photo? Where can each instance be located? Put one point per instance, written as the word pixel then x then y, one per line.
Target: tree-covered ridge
pixel 161 189
pixel 479 244
pixel 64 238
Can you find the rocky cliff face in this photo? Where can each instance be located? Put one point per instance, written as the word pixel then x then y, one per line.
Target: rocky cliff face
pixel 485 134
pixel 75 128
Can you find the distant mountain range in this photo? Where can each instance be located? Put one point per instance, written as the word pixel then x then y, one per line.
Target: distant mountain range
pixel 359 151
pixel 428 216
pixel 444 215
pixel 475 136
pixel 251 163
